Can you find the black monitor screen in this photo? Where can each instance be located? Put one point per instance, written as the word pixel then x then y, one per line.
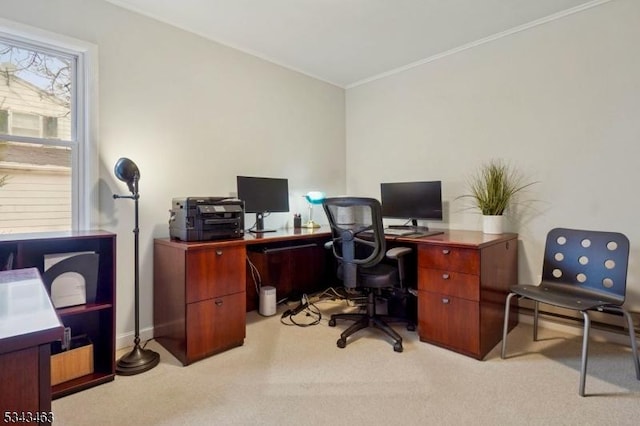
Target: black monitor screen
pixel 412 200
pixel 263 195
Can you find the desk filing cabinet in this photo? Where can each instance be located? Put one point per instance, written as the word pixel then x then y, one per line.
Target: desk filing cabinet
pixel 199 298
pixel 463 281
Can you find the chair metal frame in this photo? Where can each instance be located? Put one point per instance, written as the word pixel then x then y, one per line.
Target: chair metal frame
pixel 582 271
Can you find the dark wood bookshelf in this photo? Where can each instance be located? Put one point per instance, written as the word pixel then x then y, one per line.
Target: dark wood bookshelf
pixel 95 320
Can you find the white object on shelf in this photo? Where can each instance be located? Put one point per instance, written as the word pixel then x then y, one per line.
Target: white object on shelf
pixel 68 288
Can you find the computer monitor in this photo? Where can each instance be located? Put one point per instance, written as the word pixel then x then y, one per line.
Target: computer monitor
pixel 262 195
pixel 412 201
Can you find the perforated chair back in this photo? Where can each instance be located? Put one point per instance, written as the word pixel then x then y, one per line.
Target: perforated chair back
pixel 583 271
pixel 593 263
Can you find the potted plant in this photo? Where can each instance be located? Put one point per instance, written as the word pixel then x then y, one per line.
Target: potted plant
pixel 493 188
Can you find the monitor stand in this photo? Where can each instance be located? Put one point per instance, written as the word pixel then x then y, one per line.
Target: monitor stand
pixel 259 229
pixel 413 227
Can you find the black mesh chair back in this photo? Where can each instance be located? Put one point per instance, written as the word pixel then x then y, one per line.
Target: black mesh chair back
pixel 357 234
pixel 582 271
pixel 359 246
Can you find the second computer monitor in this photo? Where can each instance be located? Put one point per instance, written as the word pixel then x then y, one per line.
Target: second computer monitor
pixel 263 195
pixel 412 200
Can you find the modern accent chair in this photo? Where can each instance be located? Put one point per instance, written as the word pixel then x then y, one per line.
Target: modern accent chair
pixel 359 245
pixel 582 271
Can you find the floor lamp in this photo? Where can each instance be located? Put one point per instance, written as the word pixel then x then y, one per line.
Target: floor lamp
pixel 139 359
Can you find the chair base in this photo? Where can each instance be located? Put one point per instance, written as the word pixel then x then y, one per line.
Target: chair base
pixel 370 319
pixel 585 337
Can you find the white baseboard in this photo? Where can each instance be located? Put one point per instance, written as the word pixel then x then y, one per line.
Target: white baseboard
pixel 126 340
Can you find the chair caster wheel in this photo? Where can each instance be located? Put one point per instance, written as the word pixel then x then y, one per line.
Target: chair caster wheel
pixel 398 347
pixel 341 343
pixel 332 322
pixel 411 327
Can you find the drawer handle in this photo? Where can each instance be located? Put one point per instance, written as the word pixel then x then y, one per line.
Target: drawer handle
pixel 445 300
pixel 446 251
pixel 445 276
pixel 218 302
pixel 219 252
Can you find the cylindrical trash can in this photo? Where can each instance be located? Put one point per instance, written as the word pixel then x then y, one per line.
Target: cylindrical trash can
pixel 267 301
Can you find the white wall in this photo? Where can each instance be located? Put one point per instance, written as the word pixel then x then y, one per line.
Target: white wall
pixel 560 101
pixel 192 114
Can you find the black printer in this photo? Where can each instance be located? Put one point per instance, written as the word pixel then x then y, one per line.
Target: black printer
pixel 206 218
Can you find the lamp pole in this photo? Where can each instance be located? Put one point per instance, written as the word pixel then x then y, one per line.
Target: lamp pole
pixel 138 360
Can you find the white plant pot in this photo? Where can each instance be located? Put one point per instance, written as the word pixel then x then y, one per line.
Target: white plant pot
pixel 492 224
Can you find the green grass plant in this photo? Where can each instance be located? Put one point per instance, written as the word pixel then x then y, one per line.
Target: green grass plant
pixel 494 187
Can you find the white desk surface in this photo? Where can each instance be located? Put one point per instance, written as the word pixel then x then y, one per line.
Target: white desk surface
pixel 25 306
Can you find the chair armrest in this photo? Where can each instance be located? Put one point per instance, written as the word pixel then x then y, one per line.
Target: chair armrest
pixel 397 252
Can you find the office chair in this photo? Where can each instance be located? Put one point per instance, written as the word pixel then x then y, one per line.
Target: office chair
pixel 582 271
pixel 359 245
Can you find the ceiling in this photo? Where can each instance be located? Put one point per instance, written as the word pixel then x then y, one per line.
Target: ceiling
pixel 348 42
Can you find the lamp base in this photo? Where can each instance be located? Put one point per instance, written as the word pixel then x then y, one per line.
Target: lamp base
pixel 137 361
pixel 311 224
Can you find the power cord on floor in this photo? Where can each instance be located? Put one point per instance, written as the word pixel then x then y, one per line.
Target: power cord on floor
pixel 305 307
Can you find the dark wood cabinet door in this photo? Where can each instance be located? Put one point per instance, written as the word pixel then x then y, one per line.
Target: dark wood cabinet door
pixel 215 272
pixel 214 325
pixel 449 321
pixel 230 320
pixel 20 388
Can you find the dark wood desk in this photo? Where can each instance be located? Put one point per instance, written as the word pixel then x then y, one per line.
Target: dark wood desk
pixel 202 290
pixel 28 324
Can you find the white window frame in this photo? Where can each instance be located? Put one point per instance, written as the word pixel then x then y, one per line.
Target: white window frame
pixel 12 119
pixel 84 170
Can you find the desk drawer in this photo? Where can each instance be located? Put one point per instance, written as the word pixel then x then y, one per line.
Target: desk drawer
pixel 447 283
pixel 215 272
pixel 449 259
pixel 449 321
pixel 214 325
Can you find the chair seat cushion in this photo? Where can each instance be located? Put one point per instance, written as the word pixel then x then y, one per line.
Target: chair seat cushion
pixel 564 296
pixel 377 276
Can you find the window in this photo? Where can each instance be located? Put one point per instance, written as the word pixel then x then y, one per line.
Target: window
pixel 47 147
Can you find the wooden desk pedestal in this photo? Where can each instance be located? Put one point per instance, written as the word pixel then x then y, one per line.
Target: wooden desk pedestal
pixel 199 298
pixel 463 281
pixel 200 293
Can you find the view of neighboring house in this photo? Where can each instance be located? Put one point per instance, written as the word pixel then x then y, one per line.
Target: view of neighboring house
pixel 36 195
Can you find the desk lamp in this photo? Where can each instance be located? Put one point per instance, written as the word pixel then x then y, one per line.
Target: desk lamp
pixel 139 359
pixel 313 197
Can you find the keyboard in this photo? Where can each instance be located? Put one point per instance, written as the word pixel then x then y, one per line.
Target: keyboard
pixel 398 232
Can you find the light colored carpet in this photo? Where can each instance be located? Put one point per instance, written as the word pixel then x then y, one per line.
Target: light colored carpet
pixel 297 376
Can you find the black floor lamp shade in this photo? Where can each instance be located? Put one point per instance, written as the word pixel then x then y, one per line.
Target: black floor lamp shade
pixel 138 359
